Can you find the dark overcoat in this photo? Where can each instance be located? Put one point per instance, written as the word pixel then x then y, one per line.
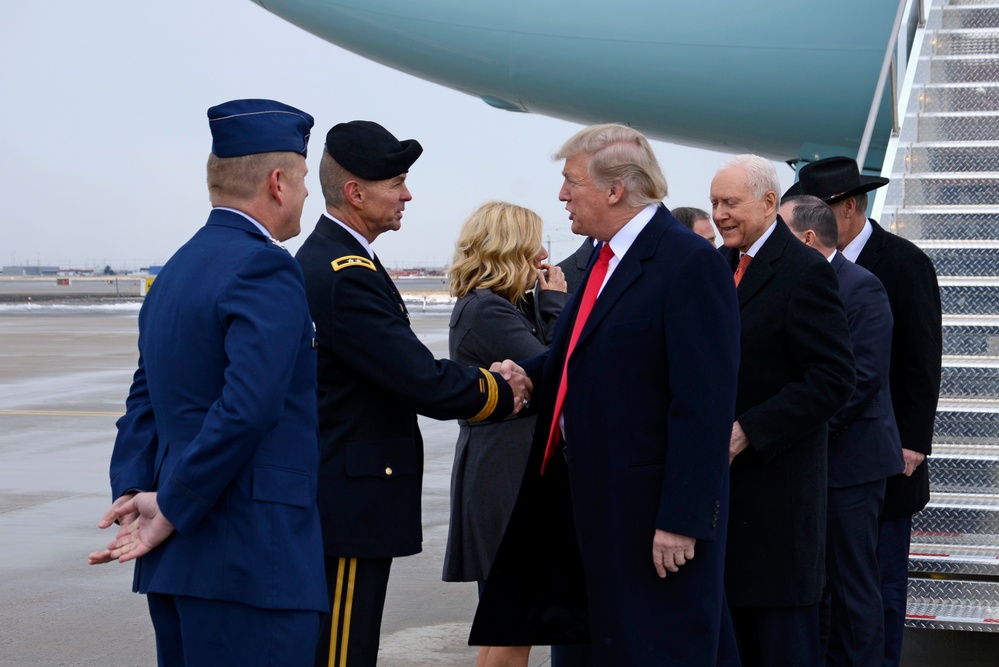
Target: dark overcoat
pixel 648 416
pixel 911 283
pixel 797 371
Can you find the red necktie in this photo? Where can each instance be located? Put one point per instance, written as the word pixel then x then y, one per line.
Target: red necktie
pixel 593 285
pixel 741 269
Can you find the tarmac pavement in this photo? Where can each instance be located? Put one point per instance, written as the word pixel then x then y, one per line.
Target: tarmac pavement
pixel 64 375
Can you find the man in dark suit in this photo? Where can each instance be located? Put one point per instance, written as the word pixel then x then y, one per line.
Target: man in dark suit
pixel 911 283
pixel 215 466
pixel 796 372
pixel 864 451
pixel 630 449
pixel 374 377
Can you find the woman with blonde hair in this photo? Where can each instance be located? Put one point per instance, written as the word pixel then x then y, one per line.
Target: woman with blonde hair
pixel 498 259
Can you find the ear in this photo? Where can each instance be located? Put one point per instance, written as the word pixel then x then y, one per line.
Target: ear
pixel 809 238
pixel 616 192
pixel 770 201
pixel 353 192
pixel 275 185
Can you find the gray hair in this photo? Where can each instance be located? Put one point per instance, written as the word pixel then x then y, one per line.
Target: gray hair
pixel 620 153
pixel 332 178
pixel 814 214
pixel 760 174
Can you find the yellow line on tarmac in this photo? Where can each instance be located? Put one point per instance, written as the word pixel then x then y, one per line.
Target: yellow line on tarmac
pixel 59 413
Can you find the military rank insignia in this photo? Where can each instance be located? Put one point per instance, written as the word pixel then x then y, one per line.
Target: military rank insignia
pixel 352 260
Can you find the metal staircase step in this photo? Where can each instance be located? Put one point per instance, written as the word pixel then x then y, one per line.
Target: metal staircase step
pixel 954 559
pixel 966 338
pixel 957 69
pixel 965 469
pixel 933 223
pixel 947 604
pixel 972 378
pixel 954 157
pixel 969 296
pixel 958 126
pixel 966 261
pixel 966 42
pixel 967 421
pixel 970 16
pixel 960 97
pixel 962 519
pixel 952 189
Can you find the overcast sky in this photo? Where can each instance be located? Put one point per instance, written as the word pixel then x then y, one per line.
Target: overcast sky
pixel 104 134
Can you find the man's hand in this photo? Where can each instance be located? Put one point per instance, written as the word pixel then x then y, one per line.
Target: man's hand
pixel 913 460
pixel 554 280
pixel 738 442
pixel 670 551
pixel 519 383
pixel 143 528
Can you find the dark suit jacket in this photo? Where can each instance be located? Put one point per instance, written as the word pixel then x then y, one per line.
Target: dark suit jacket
pixel 797 371
pixel 221 423
pixel 863 438
pixel 574 266
pixel 648 416
pixel 911 283
pixel 374 377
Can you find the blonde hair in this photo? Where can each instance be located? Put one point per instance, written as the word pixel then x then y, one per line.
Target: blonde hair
pixel 495 250
pixel 619 152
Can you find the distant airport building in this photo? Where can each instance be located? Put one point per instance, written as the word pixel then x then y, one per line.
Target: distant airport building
pixel 31 270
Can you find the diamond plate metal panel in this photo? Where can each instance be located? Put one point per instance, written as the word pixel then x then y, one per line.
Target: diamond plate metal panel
pixel 959 225
pixel 966 427
pixel 958 126
pixel 970 341
pixel 943 559
pixel 954 158
pixel 969 299
pixel 947 604
pixel 965 261
pixel 969 97
pixel 969 382
pixel 958 519
pixel 957 43
pixel 968 16
pixel 964 69
pixel 969 472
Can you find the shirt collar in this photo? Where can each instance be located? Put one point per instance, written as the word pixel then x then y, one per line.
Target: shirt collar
pixel 755 248
pixel 353 232
pixel 263 230
pixel 852 250
pixel 621 242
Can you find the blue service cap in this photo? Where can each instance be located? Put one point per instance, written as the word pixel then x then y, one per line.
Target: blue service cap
pixel 246 127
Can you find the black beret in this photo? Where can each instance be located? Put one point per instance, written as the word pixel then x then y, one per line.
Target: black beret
pixel 247 127
pixel 368 150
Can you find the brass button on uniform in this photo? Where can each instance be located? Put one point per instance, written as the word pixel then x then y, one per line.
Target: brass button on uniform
pixel 388 471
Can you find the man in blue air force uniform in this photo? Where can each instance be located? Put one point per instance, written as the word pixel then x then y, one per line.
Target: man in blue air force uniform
pixel 374 377
pixel 214 469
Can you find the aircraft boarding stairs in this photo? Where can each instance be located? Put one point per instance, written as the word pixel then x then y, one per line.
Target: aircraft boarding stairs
pixel 944 196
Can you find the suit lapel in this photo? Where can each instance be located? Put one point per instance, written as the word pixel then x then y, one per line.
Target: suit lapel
pixel 760 271
pixel 870 255
pixel 628 270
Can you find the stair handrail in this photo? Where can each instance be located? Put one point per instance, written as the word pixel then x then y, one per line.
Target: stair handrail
pixel 887 65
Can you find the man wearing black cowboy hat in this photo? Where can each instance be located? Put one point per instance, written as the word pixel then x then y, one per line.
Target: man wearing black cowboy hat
pixel 911 282
pixel 374 377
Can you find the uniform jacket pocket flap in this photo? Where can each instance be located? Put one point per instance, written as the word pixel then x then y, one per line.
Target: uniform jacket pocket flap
pixel 278 485
pixel 382 458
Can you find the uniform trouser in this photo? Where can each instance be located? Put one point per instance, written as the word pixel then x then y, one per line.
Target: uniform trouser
pixel 192 632
pixel 348 636
pixel 852 611
pixel 893 561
